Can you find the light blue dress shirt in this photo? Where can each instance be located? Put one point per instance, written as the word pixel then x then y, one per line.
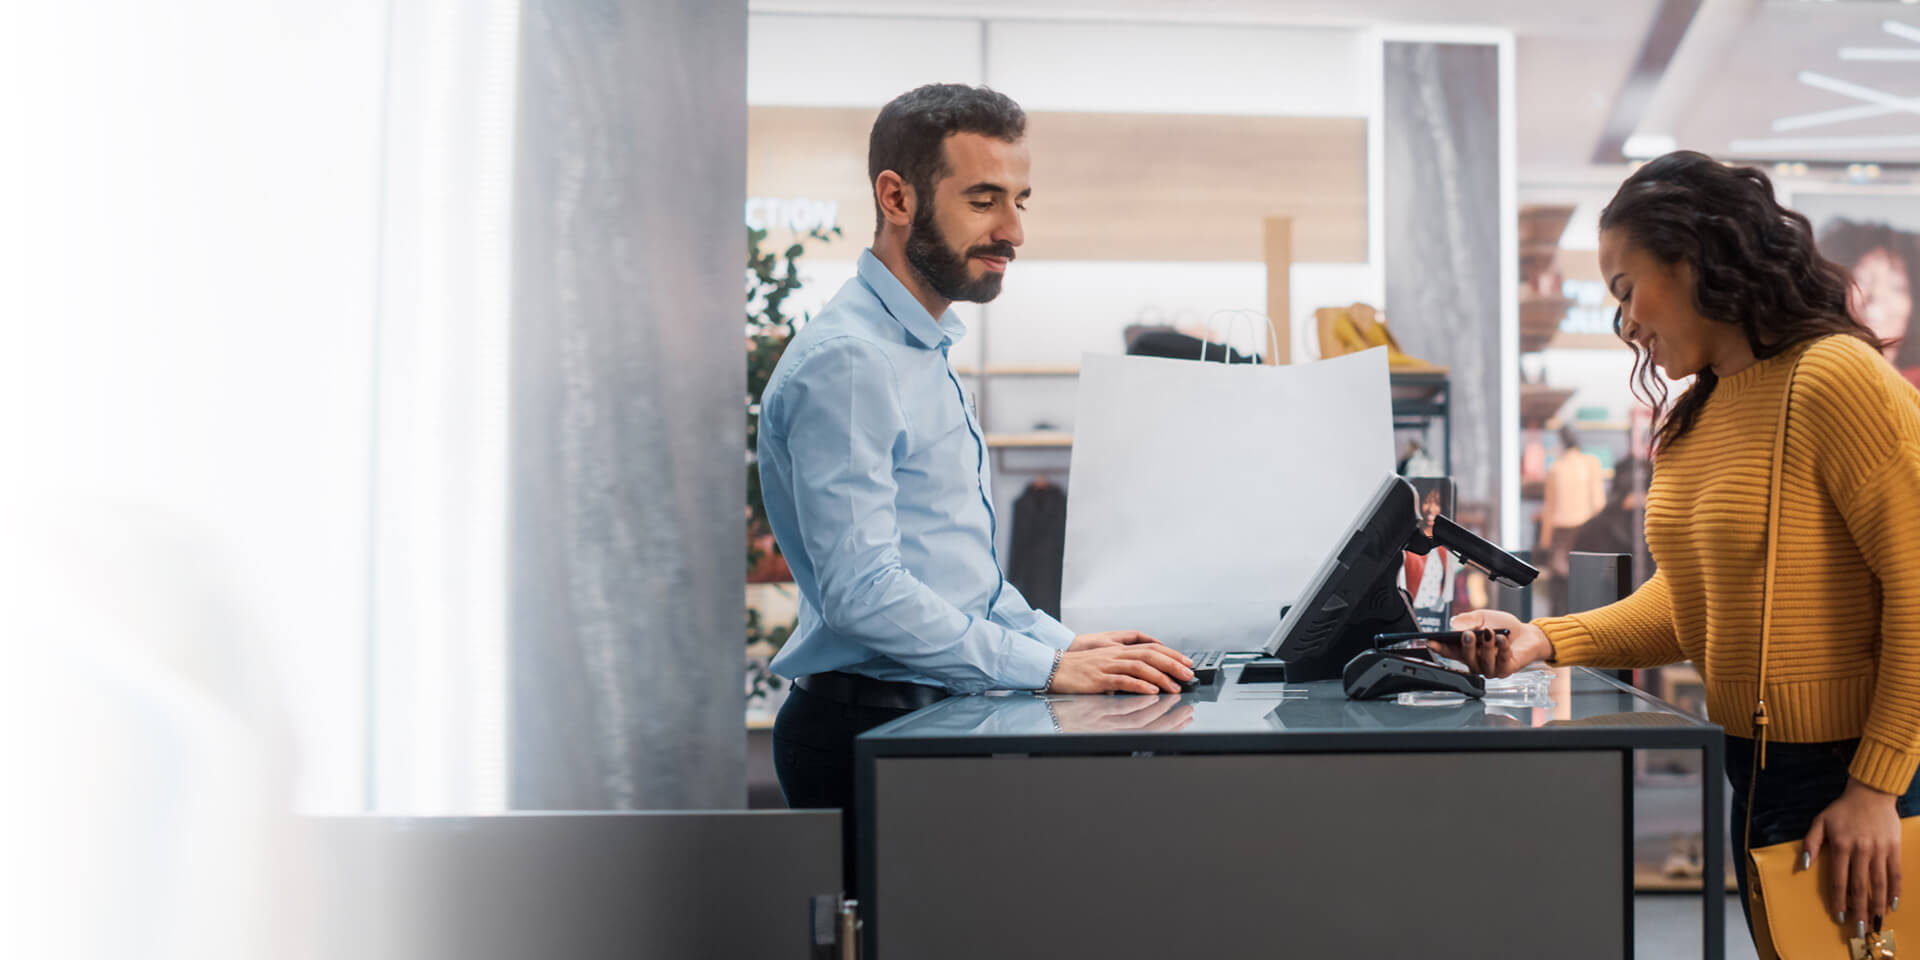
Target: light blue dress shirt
pixel 876 481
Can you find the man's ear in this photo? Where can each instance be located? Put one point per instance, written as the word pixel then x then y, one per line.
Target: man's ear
pixel 895 198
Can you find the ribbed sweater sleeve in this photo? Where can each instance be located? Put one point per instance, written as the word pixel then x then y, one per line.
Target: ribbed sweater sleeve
pixel 1865 423
pixel 1633 632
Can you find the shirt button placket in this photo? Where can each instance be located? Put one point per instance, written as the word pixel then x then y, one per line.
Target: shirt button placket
pixel 980 468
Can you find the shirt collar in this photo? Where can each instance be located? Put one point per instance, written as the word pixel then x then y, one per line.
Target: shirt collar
pixel 900 303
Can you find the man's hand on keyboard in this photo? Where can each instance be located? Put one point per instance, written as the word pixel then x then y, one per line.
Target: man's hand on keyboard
pixel 1125 667
pixel 1111 638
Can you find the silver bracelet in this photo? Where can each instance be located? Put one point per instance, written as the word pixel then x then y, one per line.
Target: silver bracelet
pixel 1058 655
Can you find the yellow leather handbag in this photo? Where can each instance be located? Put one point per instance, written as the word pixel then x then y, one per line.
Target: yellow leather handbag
pixel 1790 915
pixel 1791 918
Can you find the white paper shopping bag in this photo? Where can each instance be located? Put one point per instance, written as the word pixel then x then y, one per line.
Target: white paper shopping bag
pixel 1203 495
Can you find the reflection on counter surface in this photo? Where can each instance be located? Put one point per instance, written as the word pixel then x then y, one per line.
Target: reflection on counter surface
pixel 1573 698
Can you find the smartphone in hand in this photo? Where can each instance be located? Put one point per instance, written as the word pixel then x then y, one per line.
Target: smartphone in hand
pixel 1455 636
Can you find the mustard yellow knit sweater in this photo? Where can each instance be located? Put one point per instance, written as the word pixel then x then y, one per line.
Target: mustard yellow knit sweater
pixel 1844 658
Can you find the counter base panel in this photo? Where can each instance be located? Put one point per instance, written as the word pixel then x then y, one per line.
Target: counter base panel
pixel 1480 854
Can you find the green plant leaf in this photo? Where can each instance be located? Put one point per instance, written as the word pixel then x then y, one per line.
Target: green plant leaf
pixel 770 280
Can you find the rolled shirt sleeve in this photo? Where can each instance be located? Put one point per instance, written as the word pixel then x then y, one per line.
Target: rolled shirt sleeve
pixel 1013 611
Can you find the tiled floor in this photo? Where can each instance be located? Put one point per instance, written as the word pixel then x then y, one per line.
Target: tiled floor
pixel 1667 927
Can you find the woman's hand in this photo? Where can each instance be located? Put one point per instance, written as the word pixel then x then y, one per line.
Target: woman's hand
pixel 1860 833
pixel 1495 656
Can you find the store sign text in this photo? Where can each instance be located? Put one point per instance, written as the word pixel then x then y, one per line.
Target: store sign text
pixel 799 215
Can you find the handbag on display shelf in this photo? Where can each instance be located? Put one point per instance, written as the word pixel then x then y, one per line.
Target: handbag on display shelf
pixel 1790 916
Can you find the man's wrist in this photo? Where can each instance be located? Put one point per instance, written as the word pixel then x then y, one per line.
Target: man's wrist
pixel 1058 655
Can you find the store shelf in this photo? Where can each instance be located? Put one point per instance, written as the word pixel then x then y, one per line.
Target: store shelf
pixel 1535 258
pixel 1586 341
pixel 1540 319
pixel 1651 880
pixel 1539 402
pixel 1022 370
pixel 1540 228
pixel 1417 386
pixel 1421 400
pixel 1541 224
pixel 1419 394
pixel 1030 441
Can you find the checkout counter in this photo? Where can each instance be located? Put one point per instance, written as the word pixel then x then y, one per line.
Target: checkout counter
pixel 1283 819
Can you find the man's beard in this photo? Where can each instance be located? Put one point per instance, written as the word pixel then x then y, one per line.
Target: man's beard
pixel 945 271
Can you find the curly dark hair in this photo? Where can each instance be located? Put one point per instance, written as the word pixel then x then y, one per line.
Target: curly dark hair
pixel 910 135
pixel 1754 265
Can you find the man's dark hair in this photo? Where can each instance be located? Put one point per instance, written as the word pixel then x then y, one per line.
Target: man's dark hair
pixel 910 135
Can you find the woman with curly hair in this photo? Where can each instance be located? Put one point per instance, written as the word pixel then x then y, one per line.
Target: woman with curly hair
pixel 1718 282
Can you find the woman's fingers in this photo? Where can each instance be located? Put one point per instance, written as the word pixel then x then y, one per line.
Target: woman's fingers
pixel 1486 652
pixel 1859 885
pixel 1837 882
pixel 1882 883
pixel 1471 620
pixel 1893 879
pixel 1452 648
pixel 1503 665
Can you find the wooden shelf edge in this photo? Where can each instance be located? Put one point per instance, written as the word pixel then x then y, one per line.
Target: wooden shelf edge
pixel 1021 370
pixel 1651 880
pixel 1562 340
pixel 1029 440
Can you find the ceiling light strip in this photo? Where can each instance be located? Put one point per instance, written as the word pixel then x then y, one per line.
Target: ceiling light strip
pixel 1880 54
pixel 1776 145
pixel 1825 117
pixel 1901 30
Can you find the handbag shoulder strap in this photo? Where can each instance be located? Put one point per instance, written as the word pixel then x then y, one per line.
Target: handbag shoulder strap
pixel 1760 717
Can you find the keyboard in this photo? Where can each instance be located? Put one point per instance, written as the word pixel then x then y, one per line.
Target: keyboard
pixel 1206 666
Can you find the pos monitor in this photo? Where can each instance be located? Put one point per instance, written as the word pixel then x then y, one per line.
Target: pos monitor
pixel 1355 594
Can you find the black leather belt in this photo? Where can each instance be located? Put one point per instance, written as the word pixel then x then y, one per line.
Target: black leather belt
pixel 855 690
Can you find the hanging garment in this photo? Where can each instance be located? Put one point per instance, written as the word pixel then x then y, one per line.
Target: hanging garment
pixel 1039 545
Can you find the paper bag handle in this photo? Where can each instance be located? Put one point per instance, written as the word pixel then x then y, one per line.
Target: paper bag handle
pixel 1235 315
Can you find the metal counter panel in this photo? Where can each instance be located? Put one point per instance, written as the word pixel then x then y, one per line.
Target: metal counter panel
pixel 1310 855
pixel 1267 819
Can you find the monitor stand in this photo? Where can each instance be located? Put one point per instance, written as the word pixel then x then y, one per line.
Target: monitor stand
pixel 1386 610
